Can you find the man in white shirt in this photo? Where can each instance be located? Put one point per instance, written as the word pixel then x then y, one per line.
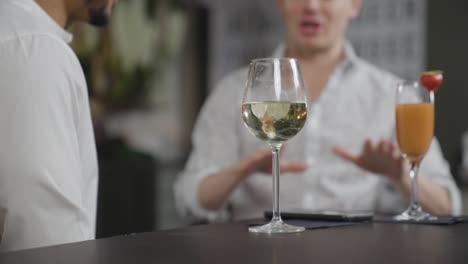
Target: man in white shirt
pixel 48 167
pixel 351 110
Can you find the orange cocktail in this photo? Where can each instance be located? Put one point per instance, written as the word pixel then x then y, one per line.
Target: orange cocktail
pixel 414 112
pixel 415 128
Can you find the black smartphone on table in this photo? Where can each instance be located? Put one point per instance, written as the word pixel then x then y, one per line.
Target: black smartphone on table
pixel 323 216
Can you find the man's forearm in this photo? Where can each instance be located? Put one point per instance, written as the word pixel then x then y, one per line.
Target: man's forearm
pixel 432 196
pixel 215 189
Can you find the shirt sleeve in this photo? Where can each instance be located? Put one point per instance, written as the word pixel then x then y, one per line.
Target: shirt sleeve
pixel 435 167
pixel 40 172
pixel 214 146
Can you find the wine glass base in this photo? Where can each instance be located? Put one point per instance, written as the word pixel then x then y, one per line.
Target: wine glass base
pixel 276 227
pixel 415 214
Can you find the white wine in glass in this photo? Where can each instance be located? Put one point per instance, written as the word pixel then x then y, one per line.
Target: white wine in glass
pixel 274 122
pixel 274 109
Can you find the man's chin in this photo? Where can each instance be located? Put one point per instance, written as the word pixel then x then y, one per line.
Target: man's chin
pixel 313 45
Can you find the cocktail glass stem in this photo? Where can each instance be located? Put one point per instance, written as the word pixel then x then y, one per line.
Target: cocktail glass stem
pixel 413 174
pixel 414 211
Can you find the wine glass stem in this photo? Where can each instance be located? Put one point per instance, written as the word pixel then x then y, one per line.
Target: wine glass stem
pixel 276 172
pixel 413 173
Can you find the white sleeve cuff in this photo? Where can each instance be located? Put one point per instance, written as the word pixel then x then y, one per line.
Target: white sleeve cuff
pixel 454 192
pixel 186 197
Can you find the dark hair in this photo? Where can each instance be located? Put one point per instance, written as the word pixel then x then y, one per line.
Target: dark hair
pixel 98 17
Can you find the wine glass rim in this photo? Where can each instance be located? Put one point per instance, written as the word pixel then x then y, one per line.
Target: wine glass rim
pixel 266 59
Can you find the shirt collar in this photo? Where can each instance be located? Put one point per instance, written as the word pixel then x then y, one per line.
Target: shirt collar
pixel 350 54
pixel 35 8
pixel 351 59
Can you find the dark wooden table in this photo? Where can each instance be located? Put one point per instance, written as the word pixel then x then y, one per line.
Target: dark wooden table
pixel 231 243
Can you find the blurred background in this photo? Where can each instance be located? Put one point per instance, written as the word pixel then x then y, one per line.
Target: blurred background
pixel 150 71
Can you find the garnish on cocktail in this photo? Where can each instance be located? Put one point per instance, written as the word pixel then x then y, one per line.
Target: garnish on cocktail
pixel 431 80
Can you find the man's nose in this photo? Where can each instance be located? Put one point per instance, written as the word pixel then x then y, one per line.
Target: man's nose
pixel 312 4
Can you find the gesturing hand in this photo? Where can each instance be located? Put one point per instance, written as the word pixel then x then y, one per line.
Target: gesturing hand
pixel 381 158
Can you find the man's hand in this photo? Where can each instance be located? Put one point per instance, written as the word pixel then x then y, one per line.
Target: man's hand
pixel 381 158
pixel 215 189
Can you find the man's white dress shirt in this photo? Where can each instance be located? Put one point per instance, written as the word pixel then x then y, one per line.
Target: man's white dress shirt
pixel 48 166
pixel 357 103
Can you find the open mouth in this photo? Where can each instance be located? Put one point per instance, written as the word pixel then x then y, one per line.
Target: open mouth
pixel 309 27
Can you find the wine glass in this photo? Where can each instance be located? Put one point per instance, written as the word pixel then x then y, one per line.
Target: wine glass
pixel 274 109
pixel 414 130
